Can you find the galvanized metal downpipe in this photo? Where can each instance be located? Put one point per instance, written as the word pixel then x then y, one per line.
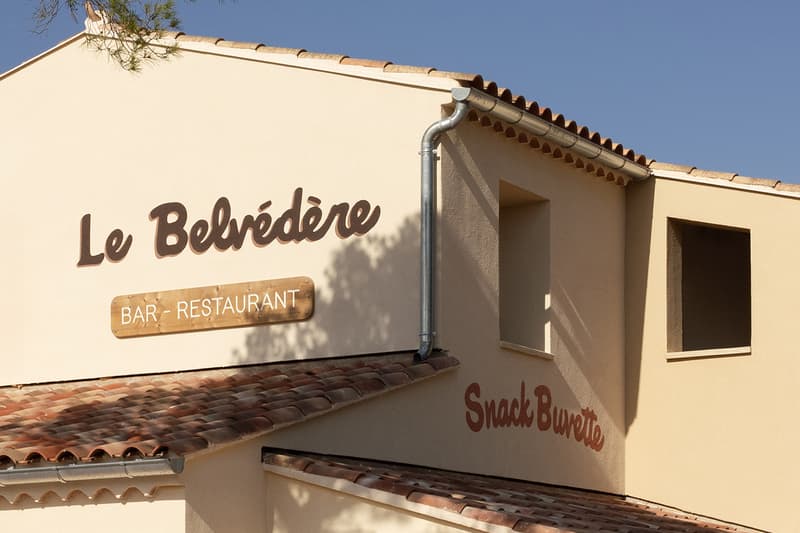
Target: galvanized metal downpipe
pixel 428 158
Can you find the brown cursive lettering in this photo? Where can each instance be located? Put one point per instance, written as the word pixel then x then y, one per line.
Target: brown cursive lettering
pixel 117 244
pixel 476 423
pixel 223 231
pixel 580 426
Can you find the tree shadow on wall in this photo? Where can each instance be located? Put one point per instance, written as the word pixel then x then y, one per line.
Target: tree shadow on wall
pixel 369 296
pixel 308 508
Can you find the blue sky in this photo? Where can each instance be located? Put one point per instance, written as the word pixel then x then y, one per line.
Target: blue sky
pixel 711 83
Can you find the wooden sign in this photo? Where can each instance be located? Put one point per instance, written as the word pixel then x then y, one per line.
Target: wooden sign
pixel 213 307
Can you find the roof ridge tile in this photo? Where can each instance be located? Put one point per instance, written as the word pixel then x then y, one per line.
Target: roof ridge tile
pixel 183 37
pixel 359 62
pixel 407 69
pixel 788 187
pixel 265 49
pixel 702 173
pixel 171 34
pixel 239 45
pixel 659 165
pixel 763 182
pixel 321 55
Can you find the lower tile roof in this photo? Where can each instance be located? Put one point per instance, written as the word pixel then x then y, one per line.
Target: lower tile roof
pixel 185 412
pixel 517 505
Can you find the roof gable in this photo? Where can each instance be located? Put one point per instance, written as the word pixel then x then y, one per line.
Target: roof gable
pixel 417 76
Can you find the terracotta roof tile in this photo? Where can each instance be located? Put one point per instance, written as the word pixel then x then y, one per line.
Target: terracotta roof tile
pixel 280 50
pixel 407 69
pixel 381 483
pixel 171 34
pixel 659 165
pixel 186 412
pixel 396 378
pixel 240 45
pixel 320 55
pixel 490 516
pixel 474 80
pixel 700 173
pixel 442 502
pixel 373 63
pixel 198 39
pixel 788 187
pixel 519 505
pixel 342 395
pixel 747 180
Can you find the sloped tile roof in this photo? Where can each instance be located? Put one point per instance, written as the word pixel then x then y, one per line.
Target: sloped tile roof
pixel 517 505
pixel 186 412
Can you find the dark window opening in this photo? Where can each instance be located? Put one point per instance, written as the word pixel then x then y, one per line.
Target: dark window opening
pixel 708 285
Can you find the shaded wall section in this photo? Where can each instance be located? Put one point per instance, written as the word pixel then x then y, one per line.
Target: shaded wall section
pixel 638 229
pixel 463 420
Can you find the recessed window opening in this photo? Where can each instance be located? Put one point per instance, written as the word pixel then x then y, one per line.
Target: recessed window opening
pixel 524 268
pixel 708 285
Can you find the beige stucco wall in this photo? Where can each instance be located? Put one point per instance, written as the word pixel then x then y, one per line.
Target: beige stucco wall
pixel 131 512
pixel 715 435
pixel 193 129
pixel 428 424
pixel 293 506
pixel 225 490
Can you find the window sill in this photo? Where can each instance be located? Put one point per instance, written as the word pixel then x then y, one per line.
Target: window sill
pixel 715 352
pixel 519 348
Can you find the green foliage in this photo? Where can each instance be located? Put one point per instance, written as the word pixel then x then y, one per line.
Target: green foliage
pixel 128 30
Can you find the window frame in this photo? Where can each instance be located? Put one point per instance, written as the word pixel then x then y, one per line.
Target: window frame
pixel 725 243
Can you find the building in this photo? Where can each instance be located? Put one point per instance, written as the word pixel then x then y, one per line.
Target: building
pixel 216 300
